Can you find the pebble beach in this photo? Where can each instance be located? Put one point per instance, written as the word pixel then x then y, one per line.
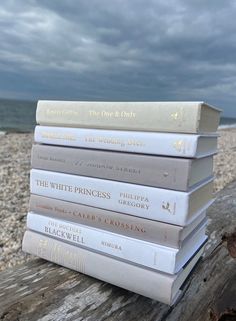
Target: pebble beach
pixel 15 151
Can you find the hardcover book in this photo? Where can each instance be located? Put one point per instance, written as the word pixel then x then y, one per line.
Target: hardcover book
pixel 155 256
pixel 159 286
pixel 157 171
pixel 136 227
pixel 182 117
pixel 168 144
pixel 169 206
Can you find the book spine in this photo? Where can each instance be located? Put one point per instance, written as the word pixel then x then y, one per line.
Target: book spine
pixel 178 145
pixel 142 201
pixel 157 286
pixel 156 171
pixel 151 255
pixel 143 229
pixel 152 116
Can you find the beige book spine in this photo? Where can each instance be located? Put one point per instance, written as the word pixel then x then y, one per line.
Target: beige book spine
pixel 143 229
pixel 156 171
pixel 182 117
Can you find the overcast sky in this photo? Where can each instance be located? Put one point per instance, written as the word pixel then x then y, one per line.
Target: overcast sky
pixel 119 50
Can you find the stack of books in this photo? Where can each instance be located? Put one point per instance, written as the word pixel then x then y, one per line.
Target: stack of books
pixel 119 191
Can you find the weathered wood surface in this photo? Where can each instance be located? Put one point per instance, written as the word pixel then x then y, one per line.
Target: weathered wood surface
pixel 43 291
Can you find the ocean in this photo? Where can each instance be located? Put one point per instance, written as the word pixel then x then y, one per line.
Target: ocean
pixel 19 116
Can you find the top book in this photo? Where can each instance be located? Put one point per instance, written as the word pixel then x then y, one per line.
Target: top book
pixel 181 117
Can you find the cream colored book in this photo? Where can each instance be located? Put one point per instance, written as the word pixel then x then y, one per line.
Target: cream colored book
pixel 181 117
pixel 159 286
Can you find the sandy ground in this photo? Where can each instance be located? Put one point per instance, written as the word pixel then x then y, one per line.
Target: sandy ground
pixel 14 187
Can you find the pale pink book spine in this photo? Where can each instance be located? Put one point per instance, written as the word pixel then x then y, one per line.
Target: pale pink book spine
pixel 147 230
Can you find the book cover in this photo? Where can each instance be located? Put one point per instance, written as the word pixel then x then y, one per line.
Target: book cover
pixel 168 206
pixel 136 227
pixel 157 171
pixel 155 256
pixel 156 285
pixel 167 144
pixel 182 117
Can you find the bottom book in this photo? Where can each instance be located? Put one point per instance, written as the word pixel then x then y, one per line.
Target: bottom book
pixel 159 286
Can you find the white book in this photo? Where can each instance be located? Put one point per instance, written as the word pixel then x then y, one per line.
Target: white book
pixel 158 257
pixel 169 206
pixel 180 145
pixel 156 285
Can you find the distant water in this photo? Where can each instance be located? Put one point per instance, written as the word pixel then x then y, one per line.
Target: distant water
pixel 19 116
pixel 226 122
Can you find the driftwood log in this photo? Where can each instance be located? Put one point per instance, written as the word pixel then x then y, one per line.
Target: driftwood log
pixel 43 291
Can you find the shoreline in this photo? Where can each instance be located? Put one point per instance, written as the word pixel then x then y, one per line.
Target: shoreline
pixel 15 154
pixel 225 127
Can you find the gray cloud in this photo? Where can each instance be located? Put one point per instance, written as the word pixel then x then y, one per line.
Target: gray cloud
pixel 119 50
